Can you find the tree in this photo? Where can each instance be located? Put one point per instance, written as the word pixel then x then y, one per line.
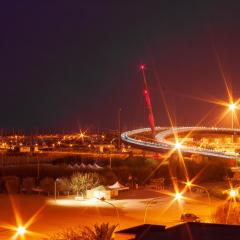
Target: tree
pixel 99 232
pixel 80 183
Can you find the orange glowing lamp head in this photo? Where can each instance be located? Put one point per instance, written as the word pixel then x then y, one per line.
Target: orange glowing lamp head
pixel 189 184
pixel 178 145
pixel 21 230
pixel 233 193
pixel 82 135
pixel 232 106
pixel 178 196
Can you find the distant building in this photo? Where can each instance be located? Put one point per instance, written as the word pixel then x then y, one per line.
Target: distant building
pixel 185 231
pixel 104 147
pixel 24 149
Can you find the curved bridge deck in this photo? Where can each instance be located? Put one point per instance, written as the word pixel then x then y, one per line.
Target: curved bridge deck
pixel 161 144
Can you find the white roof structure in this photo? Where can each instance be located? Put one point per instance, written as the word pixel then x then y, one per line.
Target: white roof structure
pixel 82 166
pixel 97 166
pixel 90 166
pixel 118 186
pixel 76 166
pixel 70 166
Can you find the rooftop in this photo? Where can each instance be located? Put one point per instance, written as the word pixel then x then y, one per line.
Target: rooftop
pixel 184 231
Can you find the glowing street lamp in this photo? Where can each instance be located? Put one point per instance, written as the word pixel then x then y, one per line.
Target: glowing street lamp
pixel 21 231
pixel 178 196
pixel 113 205
pixel 232 107
pixel 233 193
pixel 55 188
pixel 178 145
pixel 189 184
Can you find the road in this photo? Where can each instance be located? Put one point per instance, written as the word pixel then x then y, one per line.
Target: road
pixel 63 213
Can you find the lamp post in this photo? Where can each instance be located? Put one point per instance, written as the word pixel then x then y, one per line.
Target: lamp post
pixel 178 196
pixel 119 127
pixel 38 168
pixel 110 156
pixel 111 204
pixel 189 184
pixel 232 107
pixel 55 189
pixel 147 206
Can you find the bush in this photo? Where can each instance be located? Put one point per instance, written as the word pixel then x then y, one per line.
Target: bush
pixel 47 184
pixel 28 183
pixel 12 184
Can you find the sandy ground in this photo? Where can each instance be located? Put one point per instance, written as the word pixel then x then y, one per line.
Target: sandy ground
pixel 67 212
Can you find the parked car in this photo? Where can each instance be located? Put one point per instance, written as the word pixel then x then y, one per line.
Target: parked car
pixel 189 217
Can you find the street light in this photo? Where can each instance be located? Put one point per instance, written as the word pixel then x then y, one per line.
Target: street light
pixel 178 196
pixel 21 231
pixel 119 127
pixel 178 145
pixel 232 106
pixel 147 206
pixel 55 188
pixel 110 156
pixel 111 204
pixel 189 184
pixel 233 193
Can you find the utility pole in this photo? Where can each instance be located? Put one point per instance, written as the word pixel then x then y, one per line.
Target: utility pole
pixel 119 127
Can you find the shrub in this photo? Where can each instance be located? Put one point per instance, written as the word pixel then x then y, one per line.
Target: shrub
pixel 12 184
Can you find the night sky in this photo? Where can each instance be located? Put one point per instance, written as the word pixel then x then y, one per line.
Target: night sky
pixel 73 64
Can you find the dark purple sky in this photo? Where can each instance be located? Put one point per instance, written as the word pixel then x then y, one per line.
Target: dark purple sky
pixel 65 64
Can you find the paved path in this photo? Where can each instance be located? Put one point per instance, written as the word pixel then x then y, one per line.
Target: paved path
pixel 69 212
